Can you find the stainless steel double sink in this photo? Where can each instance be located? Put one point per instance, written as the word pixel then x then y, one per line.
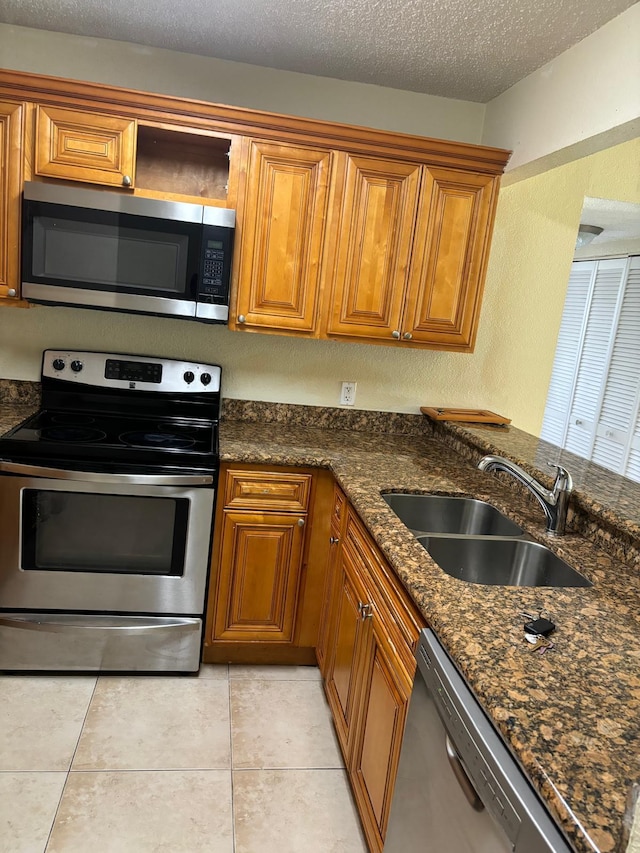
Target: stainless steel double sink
pixel 473 541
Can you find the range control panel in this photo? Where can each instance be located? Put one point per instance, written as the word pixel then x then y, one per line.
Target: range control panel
pixel 130 372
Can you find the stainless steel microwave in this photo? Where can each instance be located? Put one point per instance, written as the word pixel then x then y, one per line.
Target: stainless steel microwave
pixel 100 249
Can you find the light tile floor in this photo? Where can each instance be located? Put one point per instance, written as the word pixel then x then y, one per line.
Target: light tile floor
pixel 239 760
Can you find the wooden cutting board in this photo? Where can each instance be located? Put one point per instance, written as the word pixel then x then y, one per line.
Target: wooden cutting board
pixel 470 416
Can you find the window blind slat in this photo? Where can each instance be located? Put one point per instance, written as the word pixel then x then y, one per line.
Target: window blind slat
pixel 567 353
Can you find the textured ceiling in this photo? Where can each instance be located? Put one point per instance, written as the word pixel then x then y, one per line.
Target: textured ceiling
pixel 619 220
pixel 468 49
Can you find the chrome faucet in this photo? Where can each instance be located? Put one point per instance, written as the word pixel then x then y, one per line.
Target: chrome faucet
pixel 554 503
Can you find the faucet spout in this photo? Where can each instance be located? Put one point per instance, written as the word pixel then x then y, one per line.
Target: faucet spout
pixel 554 501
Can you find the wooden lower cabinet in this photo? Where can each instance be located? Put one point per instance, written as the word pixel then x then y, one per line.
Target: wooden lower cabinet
pixel 349 637
pixel 260 569
pixel 268 564
pixel 386 689
pixel 295 573
pixel 336 534
pixel 368 672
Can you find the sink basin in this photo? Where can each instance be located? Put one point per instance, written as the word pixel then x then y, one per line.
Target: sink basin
pixel 509 562
pixel 451 515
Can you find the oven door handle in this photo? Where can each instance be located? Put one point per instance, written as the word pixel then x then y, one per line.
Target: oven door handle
pixel 97 477
pixel 80 625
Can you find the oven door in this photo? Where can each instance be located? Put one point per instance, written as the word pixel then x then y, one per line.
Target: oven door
pixel 103 545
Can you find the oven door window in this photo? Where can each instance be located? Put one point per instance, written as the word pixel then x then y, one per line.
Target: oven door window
pixel 122 534
pixel 103 250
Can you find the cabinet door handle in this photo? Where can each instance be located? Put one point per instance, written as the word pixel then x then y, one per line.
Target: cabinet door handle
pixel 301 522
pixel 11 291
pixel 333 540
pixel 126 181
pixel 242 318
pixel 367 611
pixel 395 334
pixel 407 336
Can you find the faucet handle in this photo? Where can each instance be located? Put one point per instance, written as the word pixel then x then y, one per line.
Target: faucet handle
pixel 564 480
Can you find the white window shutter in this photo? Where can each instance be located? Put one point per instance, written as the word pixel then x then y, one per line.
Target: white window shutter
pixel 594 359
pixel 633 461
pixel 619 400
pixel 568 350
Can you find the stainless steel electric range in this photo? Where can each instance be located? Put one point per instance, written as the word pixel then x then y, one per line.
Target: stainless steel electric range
pixel 106 509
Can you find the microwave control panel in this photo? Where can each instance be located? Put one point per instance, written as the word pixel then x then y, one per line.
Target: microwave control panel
pixel 215 265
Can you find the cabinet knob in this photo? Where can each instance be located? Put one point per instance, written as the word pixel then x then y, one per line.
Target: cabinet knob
pixel 395 334
pixel 126 181
pixel 367 611
pixel 11 291
pixel 242 318
pixel 407 336
pixel 301 522
pixel 333 540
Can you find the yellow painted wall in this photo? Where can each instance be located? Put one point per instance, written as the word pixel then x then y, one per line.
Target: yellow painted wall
pixel 532 252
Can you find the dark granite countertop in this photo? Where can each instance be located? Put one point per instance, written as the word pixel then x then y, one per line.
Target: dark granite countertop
pixel 572 715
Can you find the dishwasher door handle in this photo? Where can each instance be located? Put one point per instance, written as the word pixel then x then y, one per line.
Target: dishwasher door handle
pixel 463 780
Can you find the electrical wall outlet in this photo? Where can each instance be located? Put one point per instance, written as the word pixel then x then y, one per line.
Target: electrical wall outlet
pixel 348 394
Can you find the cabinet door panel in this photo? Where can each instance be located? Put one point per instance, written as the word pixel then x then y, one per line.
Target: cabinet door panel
pixel 375 234
pixel 338 516
pixel 259 575
pixel 11 118
pixel 385 698
pixel 450 255
pixel 348 633
pixel 84 146
pixel 283 221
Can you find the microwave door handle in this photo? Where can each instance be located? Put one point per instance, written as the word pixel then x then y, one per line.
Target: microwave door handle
pixel 98 477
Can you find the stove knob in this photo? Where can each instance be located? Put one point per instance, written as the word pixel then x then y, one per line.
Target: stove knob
pixel 58 364
pixel 76 366
pixel 189 377
pixel 205 378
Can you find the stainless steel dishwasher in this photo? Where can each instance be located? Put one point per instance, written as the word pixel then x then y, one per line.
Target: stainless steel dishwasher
pixel 459 789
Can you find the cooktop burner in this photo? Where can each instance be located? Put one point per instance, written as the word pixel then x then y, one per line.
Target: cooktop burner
pixel 71 433
pixel 157 439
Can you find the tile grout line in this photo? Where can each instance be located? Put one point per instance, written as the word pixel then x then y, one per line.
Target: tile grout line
pixel 233 808
pixel 55 817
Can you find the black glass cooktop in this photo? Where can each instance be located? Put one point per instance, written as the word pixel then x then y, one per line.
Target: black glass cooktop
pixel 57 437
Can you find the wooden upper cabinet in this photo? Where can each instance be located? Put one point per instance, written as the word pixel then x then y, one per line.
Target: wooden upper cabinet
pixel 85 146
pixel 411 254
pixel 373 237
pixel 282 225
pixel 11 134
pixel 450 253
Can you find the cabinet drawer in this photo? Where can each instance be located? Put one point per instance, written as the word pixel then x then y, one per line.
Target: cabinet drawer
pixel 267 491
